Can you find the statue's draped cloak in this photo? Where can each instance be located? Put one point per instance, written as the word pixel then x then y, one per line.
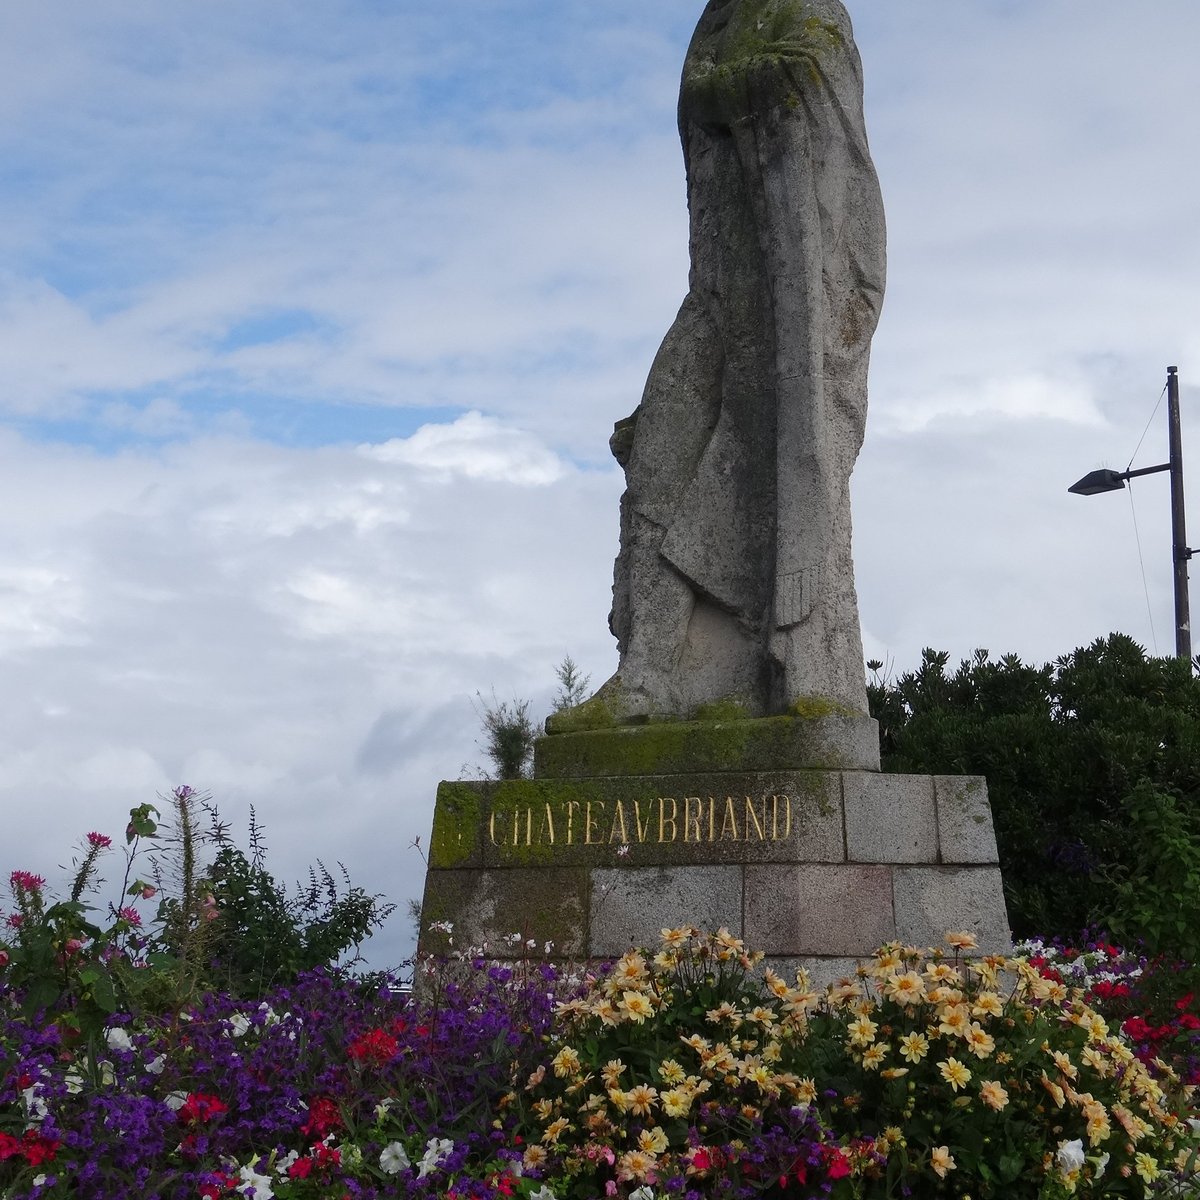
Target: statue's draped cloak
pixel 754 411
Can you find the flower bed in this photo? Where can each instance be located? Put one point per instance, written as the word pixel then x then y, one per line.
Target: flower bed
pixel 678 1074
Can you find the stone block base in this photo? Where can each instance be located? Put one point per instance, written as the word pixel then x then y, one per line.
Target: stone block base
pixel 810 866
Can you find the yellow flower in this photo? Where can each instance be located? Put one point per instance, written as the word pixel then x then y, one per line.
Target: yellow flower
pixel 941 1161
pixel 664 960
pixel 805 1092
pixel 914 1047
pixel 629 968
pixel 611 1072
pixel 652 1141
pixel 1056 1093
pixel 980 1041
pixel 942 972
pixel 555 1130
pixel 534 1157
pixel 1064 1064
pixel 962 941
pixel 956 1021
pixel 873 1056
pixel 954 1073
pixel 676 1102
pixel 669 1071
pixel 637 1006
pixel 987 1004
pixel 635 1164
pixel 1146 1166
pixel 862 1031
pixel 892 1072
pixel 565 1062
pixel 641 1099
pixel 724 938
pixel 544 1109
pixel 845 989
pixel 723 1012
pixel 906 989
pixel 993 1094
pixel 607 1012
pixel 697 1043
pixel 619 1099
pixel 674 938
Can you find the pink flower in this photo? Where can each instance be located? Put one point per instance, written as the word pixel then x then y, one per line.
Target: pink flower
pixel 3 959
pixel 148 891
pixel 99 841
pixel 131 915
pixel 26 881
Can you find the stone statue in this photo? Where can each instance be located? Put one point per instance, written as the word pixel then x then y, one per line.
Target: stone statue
pixel 734 579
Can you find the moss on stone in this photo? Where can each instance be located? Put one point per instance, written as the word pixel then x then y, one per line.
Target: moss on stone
pixel 728 708
pixel 457 817
pixel 822 736
pixel 595 713
pixel 813 708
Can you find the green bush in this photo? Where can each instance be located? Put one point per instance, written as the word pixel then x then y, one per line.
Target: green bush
pixel 1068 749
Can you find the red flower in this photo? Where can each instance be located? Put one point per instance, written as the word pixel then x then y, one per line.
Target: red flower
pixel 375 1048
pixel 1184 1002
pixel 99 841
pixel 9 1146
pixel 301 1168
pixel 323 1117
pixel 837 1165
pixel 38 1149
pixel 199 1107
pixel 26 881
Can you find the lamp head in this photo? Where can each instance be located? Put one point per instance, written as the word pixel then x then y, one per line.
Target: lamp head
pixel 1094 482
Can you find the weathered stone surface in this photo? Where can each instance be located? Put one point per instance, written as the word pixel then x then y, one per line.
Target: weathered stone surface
pixel 965 831
pixel 890 818
pixel 821 741
pixel 734 578
pixel 764 816
pixel 631 906
pixel 545 904
pixel 931 901
pixel 839 911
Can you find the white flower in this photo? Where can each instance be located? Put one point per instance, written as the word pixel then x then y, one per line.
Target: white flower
pixel 441 926
pixel 155 1065
pixel 1069 1156
pixel 74 1082
pixel 543 1193
pixel 643 1193
pixel 175 1100
pixel 1101 1163
pixel 239 1023
pixel 270 1016
pixel 35 1107
pixel 254 1184
pixel 437 1150
pixel 393 1159
pixel 118 1039
pixel 281 1167
pixel 382 1108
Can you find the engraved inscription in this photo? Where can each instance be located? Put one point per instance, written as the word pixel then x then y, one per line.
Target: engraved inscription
pixel 660 821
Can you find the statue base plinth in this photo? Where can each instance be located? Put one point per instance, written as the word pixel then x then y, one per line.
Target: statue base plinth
pixel 814 867
pixel 828 741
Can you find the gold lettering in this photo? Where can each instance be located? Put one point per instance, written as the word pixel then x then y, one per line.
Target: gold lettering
pixel 572 805
pixel 729 820
pixel 776 836
pixel 642 830
pixel 492 828
pixel 664 820
pixel 751 818
pixel 588 840
pixel 712 826
pixel 690 822
pixel 529 825
pixel 619 820
pixel 545 830
pixel 516 833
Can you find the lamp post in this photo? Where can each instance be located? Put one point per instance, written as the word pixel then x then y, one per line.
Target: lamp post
pixel 1114 481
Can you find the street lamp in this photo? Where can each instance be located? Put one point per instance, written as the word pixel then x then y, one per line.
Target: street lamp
pixel 1113 481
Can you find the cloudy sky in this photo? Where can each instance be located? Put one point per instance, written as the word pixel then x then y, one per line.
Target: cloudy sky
pixel 315 318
